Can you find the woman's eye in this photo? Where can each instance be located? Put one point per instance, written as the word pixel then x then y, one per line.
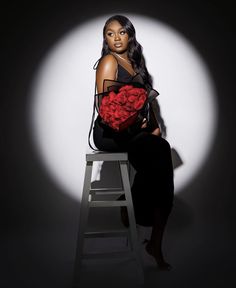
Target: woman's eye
pixel 110 34
pixel 122 32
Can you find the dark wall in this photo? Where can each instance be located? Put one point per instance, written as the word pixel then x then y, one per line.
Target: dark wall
pixel 39 226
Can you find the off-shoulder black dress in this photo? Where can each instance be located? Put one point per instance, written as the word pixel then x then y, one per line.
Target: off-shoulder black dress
pixel 150 155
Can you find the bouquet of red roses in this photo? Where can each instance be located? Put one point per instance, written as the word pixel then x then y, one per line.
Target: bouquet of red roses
pixel 120 109
pixel 124 105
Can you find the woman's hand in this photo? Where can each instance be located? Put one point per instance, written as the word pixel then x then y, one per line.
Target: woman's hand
pixel 157 132
pixel 144 124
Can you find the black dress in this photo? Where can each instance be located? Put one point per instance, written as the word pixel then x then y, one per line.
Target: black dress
pixel 150 155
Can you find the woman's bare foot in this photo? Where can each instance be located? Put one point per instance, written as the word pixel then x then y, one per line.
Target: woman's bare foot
pixel 161 263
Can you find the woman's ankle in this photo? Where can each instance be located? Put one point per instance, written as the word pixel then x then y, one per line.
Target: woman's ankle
pixel 156 252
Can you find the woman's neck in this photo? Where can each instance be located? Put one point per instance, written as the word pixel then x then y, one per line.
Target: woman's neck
pixel 122 56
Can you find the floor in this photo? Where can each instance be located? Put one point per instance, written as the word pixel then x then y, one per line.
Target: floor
pixel 43 257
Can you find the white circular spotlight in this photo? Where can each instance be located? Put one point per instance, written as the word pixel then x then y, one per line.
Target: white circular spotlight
pixel 63 89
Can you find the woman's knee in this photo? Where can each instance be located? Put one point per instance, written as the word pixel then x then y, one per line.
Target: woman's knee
pixel 164 143
pixel 159 143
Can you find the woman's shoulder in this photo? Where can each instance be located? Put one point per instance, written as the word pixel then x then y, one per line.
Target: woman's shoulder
pixel 107 69
pixel 107 62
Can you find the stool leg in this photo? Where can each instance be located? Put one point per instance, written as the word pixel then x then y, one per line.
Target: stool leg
pixel 84 210
pixel 132 222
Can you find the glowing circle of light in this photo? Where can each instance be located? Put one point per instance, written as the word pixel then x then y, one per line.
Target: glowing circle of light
pixel 63 89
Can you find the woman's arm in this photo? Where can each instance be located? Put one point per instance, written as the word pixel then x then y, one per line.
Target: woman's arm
pixel 153 115
pixel 107 69
pixel 152 125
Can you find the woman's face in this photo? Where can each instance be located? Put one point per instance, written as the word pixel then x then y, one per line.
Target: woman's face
pixel 116 37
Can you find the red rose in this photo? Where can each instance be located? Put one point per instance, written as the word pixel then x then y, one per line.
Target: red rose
pixel 138 105
pixel 132 98
pixel 112 96
pixel 142 97
pixel 121 97
pixel 105 100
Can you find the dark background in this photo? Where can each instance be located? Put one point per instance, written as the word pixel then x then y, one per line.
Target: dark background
pixel 40 222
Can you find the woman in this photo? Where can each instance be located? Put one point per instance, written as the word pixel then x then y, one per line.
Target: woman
pixel 148 152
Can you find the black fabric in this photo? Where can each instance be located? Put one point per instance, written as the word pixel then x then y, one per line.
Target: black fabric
pixel 150 155
pixel 153 185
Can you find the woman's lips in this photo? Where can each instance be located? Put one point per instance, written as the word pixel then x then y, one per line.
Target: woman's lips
pixel 117 45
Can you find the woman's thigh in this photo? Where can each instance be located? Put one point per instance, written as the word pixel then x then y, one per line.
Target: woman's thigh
pixel 148 152
pixel 102 142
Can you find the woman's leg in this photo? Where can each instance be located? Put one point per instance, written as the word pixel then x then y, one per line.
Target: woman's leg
pixel 153 188
pixel 154 245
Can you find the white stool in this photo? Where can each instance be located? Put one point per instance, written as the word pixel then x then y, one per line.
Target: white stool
pixel 88 202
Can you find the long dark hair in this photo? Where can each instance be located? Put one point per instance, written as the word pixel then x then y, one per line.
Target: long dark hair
pixel 135 50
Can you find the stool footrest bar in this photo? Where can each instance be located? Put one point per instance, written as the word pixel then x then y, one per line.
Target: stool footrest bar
pixel 98 190
pixel 110 233
pixel 109 255
pixel 107 203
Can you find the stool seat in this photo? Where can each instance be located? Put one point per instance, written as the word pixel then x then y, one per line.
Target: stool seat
pixel 90 199
pixel 107 156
